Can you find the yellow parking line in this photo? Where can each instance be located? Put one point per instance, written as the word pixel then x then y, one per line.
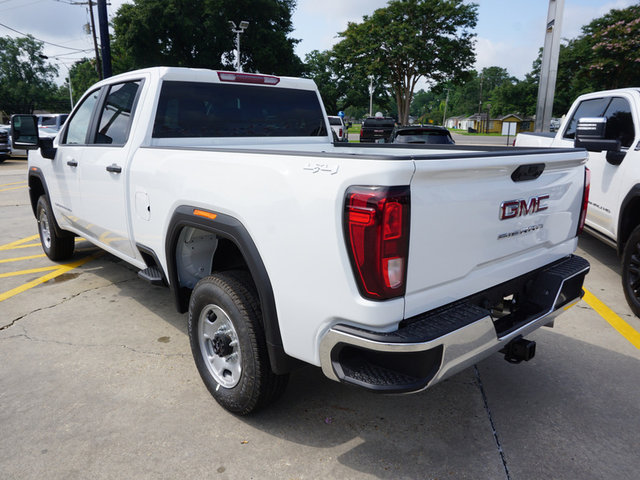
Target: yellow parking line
pixel 26 272
pixel 13 188
pixel 14 183
pixel 613 319
pixel 45 278
pixel 28 245
pixel 12 245
pixel 17 259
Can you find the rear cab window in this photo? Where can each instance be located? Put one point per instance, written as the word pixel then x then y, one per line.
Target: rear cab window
pixel 198 109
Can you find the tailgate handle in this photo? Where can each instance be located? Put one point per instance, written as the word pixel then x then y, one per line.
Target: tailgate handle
pixel 527 172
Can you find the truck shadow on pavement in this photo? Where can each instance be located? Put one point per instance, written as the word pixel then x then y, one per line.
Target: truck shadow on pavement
pixel 603 253
pixel 572 412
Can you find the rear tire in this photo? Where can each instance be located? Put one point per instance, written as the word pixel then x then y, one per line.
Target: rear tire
pixel 57 247
pixel 631 271
pixel 228 343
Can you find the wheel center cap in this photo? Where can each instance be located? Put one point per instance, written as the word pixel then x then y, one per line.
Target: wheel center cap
pixel 221 344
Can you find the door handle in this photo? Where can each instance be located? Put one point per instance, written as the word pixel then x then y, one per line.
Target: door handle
pixel 113 168
pixel 72 163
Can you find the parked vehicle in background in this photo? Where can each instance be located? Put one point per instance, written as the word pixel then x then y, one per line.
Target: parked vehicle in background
pixel 287 248
pixel 52 122
pixel 339 128
pixel 377 130
pixel 426 134
pixel 607 124
pixel 5 142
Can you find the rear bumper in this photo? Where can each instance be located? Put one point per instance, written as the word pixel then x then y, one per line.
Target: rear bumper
pixel 434 345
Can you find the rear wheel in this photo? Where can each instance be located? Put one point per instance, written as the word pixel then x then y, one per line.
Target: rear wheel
pixel 631 271
pixel 228 343
pixel 57 247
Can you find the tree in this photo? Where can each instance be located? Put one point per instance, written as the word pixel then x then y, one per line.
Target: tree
pixel 83 75
pixel 319 67
pixel 615 60
pixel 604 56
pixel 26 79
pixel 189 33
pixel 407 41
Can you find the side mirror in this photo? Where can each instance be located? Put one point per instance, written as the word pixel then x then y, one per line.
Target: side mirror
pixel 590 134
pixel 24 132
pixel 24 136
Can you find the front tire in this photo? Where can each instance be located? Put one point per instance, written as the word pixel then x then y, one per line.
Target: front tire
pixel 228 343
pixel 631 271
pixel 56 247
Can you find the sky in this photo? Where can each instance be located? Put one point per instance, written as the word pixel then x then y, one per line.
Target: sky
pixel 509 33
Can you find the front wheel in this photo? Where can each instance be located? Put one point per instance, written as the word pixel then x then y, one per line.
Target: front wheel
pixel 631 271
pixel 228 343
pixel 56 247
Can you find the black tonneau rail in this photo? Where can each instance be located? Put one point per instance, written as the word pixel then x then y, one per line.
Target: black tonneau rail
pixel 461 151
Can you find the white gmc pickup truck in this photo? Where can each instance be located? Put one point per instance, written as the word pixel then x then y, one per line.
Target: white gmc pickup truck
pixel 389 267
pixel 607 124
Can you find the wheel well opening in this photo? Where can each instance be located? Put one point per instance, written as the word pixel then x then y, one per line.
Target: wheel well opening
pixel 36 190
pixel 199 253
pixel 630 219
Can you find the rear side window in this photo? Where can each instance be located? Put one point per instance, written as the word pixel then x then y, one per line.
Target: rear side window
pixel 190 109
pixel 115 118
pixel 620 122
pixel 335 121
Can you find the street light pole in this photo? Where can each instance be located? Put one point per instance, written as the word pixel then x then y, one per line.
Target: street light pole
pixel 238 30
pixel 371 96
pixel 444 116
pixel 44 57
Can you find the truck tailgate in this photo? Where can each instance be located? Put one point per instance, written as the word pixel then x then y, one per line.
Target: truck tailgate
pixel 480 220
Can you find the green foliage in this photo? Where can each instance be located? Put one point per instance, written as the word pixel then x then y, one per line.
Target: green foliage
pixel 319 67
pixel 83 75
pixel 26 79
pixel 407 41
pixel 197 34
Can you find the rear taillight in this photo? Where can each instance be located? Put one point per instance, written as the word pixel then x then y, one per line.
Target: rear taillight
pixel 585 200
pixel 376 224
pixel 340 133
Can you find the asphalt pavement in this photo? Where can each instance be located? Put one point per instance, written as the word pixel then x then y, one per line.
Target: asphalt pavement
pixel 97 381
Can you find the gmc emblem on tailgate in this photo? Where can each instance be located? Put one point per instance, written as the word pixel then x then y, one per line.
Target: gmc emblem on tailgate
pixel 519 208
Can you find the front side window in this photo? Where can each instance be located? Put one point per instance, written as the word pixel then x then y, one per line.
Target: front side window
pixel 587 108
pixel 78 127
pixel 193 109
pixel 115 118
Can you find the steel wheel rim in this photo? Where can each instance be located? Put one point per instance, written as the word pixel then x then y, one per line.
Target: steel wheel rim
pixel 215 328
pixel 45 230
pixel 633 279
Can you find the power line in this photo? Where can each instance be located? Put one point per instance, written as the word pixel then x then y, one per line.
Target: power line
pixel 43 41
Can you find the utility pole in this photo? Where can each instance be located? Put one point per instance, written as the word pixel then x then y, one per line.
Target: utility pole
pixel 549 67
pixel 95 40
pixel 105 44
pixel 89 4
